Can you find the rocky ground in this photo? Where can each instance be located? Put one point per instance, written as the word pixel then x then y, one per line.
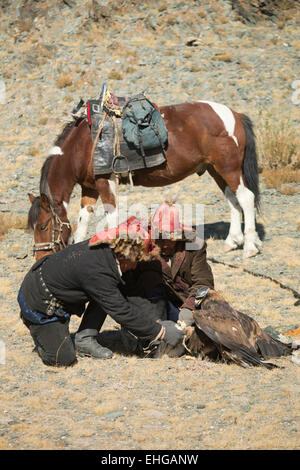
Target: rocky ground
pixel 53 53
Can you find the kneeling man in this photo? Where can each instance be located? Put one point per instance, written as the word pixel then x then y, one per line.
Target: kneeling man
pixel 86 279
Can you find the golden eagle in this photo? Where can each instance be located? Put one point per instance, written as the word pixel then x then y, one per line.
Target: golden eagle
pixel 222 332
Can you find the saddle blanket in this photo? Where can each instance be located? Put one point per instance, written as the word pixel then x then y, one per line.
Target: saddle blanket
pixel 124 157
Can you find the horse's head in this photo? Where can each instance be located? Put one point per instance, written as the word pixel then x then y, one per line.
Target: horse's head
pixel 49 221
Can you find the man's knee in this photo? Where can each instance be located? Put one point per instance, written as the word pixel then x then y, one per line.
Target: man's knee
pixel 63 356
pixel 54 344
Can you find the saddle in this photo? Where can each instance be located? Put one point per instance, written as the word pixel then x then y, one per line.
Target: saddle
pixel 113 152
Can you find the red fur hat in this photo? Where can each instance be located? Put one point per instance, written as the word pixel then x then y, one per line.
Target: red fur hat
pixel 124 236
pixel 166 224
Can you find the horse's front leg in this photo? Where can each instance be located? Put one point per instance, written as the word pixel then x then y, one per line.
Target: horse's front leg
pixel 88 201
pixel 107 189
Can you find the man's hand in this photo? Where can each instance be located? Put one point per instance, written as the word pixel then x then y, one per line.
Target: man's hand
pixel 173 333
pixel 186 316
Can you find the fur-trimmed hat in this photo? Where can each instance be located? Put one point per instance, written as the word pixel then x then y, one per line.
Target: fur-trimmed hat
pixel 165 224
pixel 129 240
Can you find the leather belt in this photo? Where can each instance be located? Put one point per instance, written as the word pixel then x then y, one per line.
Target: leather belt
pixel 54 306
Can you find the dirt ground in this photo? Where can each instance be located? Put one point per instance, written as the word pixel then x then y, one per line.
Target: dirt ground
pixel 186 403
pixel 127 402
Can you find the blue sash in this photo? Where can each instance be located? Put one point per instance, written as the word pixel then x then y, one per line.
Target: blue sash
pixel 33 316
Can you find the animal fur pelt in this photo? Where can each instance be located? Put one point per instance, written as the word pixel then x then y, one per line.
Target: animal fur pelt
pixel 223 332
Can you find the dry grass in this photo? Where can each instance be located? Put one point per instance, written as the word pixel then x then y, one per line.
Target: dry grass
pixel 278 146
pixel 222 57
pixel 64 80
pixel 43 408
pixel 276 177
pixel 278 143
pixel 11 221
pixel 115 75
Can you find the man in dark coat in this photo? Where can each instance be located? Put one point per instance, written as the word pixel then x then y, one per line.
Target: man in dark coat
pixel 171 280
pixel 177 273
pixel 86 278
pixel 212 327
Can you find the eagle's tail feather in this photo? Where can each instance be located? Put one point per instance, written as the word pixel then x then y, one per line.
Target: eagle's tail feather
pixel 245 358
pixel 272 347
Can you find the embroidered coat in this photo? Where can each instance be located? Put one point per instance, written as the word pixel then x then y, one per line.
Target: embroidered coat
pixel 182 277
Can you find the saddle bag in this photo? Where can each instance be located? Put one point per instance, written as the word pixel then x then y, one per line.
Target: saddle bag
pixel 143 125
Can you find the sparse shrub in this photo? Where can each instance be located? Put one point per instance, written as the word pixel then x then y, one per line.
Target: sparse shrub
pixel 115 75
pixel 43 120
pixel 64 80
pixel 11 221
pixel 222 56
pixel 33 151
pixel 276 177
pixel 278 143
pixel 163 7
pixel 278 147
pixel 130 70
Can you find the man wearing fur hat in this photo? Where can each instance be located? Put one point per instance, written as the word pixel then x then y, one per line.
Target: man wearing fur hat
pixel 183 277
pixel 177 273
pixel 86 279
pixel 170 280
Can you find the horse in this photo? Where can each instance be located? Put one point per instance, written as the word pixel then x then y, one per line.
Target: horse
pixel 202 136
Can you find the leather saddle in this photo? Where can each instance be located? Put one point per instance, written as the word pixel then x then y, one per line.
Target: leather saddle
pixel 112 153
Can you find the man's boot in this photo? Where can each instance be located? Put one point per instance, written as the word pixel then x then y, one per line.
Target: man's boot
pixel 86 343
pixel 120 341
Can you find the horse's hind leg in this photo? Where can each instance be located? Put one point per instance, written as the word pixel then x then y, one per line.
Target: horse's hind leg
pixel 88 201
pixel 246 197
pixel 240 200
pixel 235 236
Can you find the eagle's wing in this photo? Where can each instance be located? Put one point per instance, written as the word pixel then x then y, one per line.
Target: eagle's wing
pixel 264 344
pixel 237 336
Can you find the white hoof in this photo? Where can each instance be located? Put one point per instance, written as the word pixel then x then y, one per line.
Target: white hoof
pixel 250 251
pixel 228 248
pixel 258 241
pixel 233 241
pixel 250 254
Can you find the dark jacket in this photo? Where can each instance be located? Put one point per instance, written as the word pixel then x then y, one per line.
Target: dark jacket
pixel 188 272
pixel 79 274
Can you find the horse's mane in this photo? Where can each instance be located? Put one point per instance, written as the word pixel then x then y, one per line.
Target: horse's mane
pixel 67 129
pixel 34 210
pixel 44 187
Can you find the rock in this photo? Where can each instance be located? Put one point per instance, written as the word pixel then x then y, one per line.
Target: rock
pixel 113 415
pixel 193 42
pixel 296 358
pixel 200 406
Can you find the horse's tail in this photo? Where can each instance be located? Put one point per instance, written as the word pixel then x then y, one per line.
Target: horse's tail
pixel 250 166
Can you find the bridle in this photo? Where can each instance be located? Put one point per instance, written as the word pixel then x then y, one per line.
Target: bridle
pixel 57 226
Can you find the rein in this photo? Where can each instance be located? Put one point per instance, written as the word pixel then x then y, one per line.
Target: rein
pixel 57 226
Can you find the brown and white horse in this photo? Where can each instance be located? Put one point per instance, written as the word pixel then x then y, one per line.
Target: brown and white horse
pixel 202 136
